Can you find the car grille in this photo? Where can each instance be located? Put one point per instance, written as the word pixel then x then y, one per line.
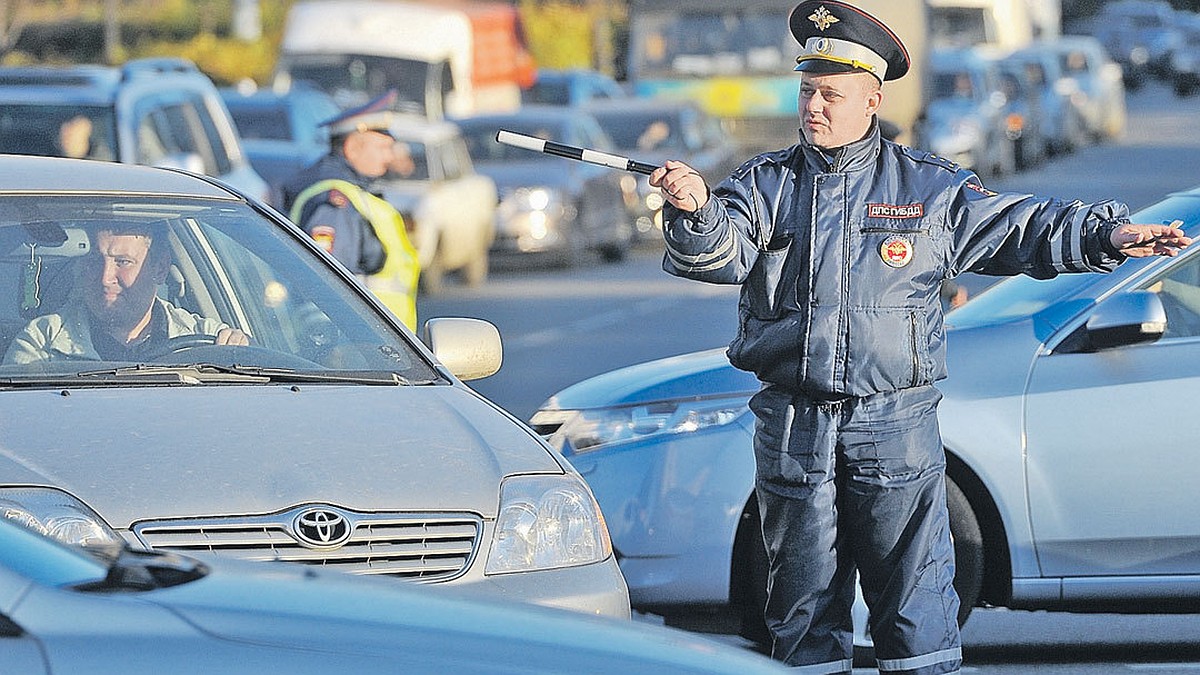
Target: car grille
pixel 420 547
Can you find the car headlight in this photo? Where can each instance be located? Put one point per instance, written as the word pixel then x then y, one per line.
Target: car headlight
pixel 547 522
pixel 590 430
pixel 54 513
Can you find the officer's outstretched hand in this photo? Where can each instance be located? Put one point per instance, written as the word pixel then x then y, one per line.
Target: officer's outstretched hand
pixel 1141 241
pixel 681 185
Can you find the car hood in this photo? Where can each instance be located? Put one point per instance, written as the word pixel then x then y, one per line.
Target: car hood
pixel 707 371
pixel 429 629
pixel 141 452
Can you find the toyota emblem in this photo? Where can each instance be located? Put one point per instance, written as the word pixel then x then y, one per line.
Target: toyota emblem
pixel 321 528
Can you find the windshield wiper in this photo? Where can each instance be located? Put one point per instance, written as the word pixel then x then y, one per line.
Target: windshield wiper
pixel 137 570
pixel 380 377
pixel 205 373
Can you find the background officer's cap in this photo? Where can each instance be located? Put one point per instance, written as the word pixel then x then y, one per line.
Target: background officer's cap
pixel 836 37
pixel 376 115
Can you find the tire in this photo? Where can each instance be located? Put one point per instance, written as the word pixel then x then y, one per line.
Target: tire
pixel 751 587
pixel 968 549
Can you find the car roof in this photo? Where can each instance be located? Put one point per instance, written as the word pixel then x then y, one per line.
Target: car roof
pixel 25 174
pixel 421 129
pixel 531 112
pixel 91 83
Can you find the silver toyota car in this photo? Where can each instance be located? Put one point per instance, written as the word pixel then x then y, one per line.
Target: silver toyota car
pixel 186 370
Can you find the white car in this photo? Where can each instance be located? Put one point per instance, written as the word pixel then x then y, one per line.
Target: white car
pixel 448 208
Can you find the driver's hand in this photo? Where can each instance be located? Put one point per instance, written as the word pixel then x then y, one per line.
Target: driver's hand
pixel 233 337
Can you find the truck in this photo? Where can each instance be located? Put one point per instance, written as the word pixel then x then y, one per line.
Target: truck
pixel 736 61
pixel 1000 25
pixel 449 58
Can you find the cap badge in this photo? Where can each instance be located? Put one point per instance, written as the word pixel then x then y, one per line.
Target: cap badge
pixel 822 18
pixel 823 46
pixel 896 251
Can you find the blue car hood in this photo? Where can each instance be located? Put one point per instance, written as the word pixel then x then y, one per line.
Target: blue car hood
pixel 707 372
pixel 139 452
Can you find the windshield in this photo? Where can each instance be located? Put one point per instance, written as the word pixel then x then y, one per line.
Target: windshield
pixel 958 26
pixel 89 283
pixel 1021 296
pixel 480 136
pixel 354 79
pixel 81 132
pixel 731 41
pixel 644 131
pixel 262 122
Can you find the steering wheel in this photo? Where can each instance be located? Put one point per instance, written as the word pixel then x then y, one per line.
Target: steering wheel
pixel 181 343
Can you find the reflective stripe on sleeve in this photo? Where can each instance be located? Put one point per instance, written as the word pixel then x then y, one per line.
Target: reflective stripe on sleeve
pixel 704 262
pixel 914 662
pixel 828 668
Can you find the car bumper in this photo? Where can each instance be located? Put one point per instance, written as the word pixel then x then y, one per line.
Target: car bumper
pixel 597 589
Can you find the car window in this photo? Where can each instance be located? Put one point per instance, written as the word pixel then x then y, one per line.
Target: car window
pixel 33 129
pixel 180 127
pixel 227 267
pixel 262 122
pixel 1179 290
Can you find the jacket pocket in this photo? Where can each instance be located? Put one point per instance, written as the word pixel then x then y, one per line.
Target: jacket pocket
pixel 764 287
pixel 889 348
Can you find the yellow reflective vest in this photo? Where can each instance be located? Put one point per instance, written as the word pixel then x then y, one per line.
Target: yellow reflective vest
pixel 396 284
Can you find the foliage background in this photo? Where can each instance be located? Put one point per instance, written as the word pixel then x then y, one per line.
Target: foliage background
pixel 560 33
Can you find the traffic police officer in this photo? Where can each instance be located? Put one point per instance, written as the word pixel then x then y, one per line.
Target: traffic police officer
pixel 840 244
pixel 331 201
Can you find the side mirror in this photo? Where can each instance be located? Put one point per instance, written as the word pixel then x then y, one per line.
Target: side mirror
pixel 469 348
pixel 1127 319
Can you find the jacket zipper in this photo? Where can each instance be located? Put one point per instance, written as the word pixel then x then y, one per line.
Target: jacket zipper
pixel 916 360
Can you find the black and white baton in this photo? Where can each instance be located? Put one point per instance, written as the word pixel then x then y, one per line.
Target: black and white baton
pixel 571 152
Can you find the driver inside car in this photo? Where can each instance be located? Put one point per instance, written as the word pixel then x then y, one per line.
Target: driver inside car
pixel 113 313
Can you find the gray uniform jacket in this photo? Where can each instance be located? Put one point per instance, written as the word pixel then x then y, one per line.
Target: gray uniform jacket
pixel 841 260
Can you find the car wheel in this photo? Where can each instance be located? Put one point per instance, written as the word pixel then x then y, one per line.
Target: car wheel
pixel 968 549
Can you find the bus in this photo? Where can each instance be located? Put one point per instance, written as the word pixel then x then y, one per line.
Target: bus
pixel 736 60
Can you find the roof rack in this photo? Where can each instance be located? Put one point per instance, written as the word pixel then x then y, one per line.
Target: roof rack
pixel 157 66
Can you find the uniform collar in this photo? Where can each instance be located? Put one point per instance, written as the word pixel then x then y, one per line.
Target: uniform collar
pixel 851 157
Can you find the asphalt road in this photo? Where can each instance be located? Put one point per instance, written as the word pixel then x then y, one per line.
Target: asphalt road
pixel 561 326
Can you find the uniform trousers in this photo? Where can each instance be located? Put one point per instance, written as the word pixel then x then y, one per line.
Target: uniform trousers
pixel 856 484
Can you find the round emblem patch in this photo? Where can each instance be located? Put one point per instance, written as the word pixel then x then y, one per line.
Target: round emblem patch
pixel 896 251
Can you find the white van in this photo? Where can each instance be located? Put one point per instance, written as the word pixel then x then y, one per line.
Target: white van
pixel 449 59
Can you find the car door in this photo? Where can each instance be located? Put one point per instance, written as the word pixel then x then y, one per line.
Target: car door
pixel 464 201
pixel 1112 451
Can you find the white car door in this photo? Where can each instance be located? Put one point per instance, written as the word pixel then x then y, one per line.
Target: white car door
pixel 1112 449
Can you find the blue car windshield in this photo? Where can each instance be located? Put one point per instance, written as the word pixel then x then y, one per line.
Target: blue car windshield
pixel 1021 297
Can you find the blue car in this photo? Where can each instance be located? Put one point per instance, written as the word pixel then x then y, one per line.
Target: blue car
pixel 1061 479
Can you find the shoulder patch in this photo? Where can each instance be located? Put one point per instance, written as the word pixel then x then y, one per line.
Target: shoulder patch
pixel 928 158
pixel 971 184
pixel 772 157
pixel 336 198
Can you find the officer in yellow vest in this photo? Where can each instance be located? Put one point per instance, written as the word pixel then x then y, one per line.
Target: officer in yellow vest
pixel 331 201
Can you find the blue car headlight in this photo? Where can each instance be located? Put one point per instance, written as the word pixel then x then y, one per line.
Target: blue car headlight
pixel 584 431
